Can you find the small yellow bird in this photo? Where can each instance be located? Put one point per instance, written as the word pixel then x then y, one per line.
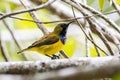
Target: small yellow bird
pixel 51 43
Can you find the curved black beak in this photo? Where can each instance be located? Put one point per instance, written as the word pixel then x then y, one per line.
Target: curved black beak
pixel 65 25
pixel 70 22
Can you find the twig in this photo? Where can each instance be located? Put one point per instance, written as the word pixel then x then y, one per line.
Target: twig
pixel 87 47
pixel 107 33
pixel 87 40
pixel 28 10
pixel 102 16
pixel 3 51
pixel 87 51
pixel 14 38
pixel 100 34
pixel 63 54
pixel 87 35
pixel 85 32
pixel 115 40
pixel 109 36
pixel 116 6
pixel 93 24
pixel 37 8
pixel 34 16
pixel 56 21
pixel 90 38
pixel 93 44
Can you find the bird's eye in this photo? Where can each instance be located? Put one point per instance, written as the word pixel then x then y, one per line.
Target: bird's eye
pixel 63 25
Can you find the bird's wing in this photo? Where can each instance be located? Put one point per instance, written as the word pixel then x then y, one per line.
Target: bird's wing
pixel 46 40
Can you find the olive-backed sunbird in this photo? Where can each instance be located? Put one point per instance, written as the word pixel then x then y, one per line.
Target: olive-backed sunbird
pixel 50 43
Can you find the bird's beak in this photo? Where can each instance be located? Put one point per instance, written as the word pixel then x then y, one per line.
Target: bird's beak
pixel 70 22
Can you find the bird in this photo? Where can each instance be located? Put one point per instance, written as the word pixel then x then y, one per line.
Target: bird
pixel 50 43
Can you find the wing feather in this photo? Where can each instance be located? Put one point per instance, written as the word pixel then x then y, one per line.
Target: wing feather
pixel 46 40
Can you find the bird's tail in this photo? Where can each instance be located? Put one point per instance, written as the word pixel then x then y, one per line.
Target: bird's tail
pixel 22 51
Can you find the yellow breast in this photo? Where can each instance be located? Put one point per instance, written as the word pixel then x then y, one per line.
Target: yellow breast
pixel 49 49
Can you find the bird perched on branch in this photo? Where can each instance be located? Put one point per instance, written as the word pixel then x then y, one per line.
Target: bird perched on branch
pixel 51 43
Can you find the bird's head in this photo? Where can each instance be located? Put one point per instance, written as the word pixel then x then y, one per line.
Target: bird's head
pixel 61 27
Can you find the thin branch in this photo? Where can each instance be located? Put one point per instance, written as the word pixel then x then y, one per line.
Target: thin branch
pixel 88 36
pixel 93 44
pixel 113 24
pixel 57 21
pixel 87 51
pixel 92 24
pixel 87 40
pixel 101 35
pixel 116 6
pixel 14 38
pixel 85 32
pixel 3 51
pixel 87 47
pixel 28 10
pixel 107 34
pixel 91 39
pixel 63 54
pixel 33 14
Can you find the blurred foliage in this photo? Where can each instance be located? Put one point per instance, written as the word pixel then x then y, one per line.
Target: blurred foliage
pixel 94 52
pixel 24 24
pixel 31 25
pixel 5 3
pixel 44 1
pixel 101 4
pixel 116 77
pixel 70 46
pixel 118 1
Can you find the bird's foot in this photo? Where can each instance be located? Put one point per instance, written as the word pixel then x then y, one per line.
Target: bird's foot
pixel 55 57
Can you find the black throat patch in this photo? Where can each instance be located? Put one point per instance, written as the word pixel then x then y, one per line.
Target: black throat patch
pixel 63 36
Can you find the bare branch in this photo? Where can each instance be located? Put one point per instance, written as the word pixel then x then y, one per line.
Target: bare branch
pixel 113 24
pixel 116 6
pixel 85 14
pixel 114 39
pixel 28 10
pixel 33 14
pixel 3 51
pixel 14 38
pixel 97 28
pixel 94 45
pixel 56 21
pixel 84 68
pixel 86 35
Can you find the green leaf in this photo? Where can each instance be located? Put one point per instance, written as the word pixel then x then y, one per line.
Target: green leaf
pixel 118 1
pixel 101 4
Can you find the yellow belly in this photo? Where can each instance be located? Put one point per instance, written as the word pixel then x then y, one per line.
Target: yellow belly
pixel 49 49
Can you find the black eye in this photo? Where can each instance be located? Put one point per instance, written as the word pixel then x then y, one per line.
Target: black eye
pixel 64 25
